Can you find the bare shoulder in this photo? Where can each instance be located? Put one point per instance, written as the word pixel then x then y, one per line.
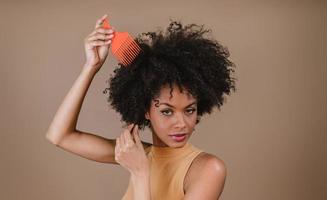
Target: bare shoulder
pixel 210 162
pixel 209 170
pixel 206 164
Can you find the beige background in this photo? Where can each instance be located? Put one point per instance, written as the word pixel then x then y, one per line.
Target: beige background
pixel 271 133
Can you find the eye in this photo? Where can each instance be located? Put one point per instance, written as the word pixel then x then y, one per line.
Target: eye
pixel 165 112
pixel 190 111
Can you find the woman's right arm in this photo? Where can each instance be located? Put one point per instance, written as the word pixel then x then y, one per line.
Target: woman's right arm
pixel 62 131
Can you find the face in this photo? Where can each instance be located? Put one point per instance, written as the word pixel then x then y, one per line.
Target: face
pixel 171 116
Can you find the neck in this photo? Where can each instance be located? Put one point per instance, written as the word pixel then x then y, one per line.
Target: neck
pixel 156 141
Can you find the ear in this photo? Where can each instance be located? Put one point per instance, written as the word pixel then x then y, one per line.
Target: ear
pixel 147 115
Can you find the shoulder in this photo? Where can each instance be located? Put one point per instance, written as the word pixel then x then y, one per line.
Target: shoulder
pixel 209 170
pixel 207 164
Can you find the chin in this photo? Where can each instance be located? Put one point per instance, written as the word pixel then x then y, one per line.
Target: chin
pixel 180 144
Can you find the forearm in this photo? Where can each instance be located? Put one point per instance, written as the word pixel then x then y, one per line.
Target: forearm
pixel 65 119
pixel 141 185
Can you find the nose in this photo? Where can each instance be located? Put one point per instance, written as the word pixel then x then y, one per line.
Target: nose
pixel 180 121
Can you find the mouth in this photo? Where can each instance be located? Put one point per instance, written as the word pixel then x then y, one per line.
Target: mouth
pixel 178 137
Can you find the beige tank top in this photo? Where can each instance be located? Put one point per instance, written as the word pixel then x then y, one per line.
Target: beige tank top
pixel 168 167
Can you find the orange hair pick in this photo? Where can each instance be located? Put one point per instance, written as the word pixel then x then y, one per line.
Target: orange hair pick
pixel 123 46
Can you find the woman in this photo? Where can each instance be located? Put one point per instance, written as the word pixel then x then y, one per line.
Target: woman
pixel 177 77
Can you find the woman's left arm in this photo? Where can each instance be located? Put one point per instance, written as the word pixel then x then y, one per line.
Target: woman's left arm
pixel 131 155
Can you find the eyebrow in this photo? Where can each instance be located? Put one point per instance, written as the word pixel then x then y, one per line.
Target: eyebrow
pixel 174 107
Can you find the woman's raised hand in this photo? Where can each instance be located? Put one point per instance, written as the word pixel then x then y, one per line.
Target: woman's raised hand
pixel 129 153
pixel 97 45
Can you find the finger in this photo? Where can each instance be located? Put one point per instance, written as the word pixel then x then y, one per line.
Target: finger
pixel 99 21
pixel 137 136
pixel 102 31
pixel 122 140
pixel 128 137
pixel 102 37
pixel 100 43
pixel 117 149
pixel 130 127
pixel 104 27
pixel 117 146
pixel 128 134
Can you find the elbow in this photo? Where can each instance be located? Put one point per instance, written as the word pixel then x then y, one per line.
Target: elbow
pixel 51 139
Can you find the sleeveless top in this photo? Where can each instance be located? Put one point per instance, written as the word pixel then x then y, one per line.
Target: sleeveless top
pixel 168 167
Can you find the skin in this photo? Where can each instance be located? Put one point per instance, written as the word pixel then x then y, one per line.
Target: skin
pixel 205 178
pixel 172 115
pixel 165 120
pixel 179 116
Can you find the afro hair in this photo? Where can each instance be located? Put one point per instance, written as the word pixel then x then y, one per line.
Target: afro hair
pixel 181 55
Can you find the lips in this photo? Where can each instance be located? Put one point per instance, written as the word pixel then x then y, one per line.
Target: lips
pixel 178 134
pixel 179 137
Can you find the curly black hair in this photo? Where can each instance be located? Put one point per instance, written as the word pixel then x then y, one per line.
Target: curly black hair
pixel 182 56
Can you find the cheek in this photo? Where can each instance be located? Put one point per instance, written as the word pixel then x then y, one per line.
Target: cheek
pixel 161 123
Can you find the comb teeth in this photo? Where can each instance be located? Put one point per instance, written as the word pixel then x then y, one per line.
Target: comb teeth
pixel 124 48
pixel 127 52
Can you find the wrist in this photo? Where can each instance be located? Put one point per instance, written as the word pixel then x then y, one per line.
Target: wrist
pixel 142 171
pixel 89 69
pixel 142 175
